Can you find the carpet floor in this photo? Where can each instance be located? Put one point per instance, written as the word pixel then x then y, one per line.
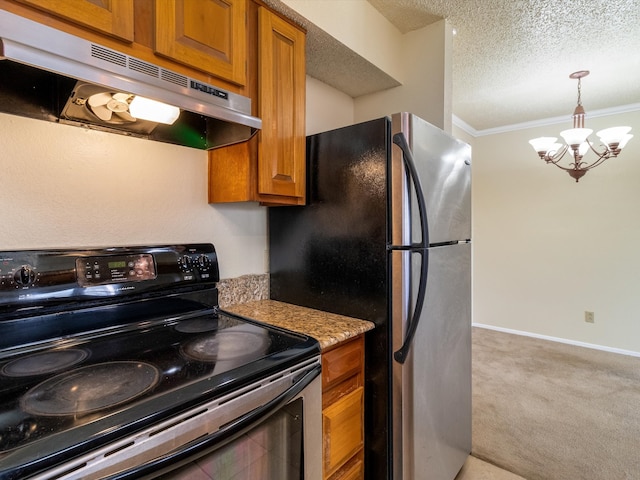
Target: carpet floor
pixel 550 411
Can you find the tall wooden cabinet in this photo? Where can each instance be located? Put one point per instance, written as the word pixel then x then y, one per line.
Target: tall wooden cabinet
pixel 271 168
pixel 343 411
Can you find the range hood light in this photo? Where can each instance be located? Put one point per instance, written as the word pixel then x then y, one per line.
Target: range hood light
pixel 147 109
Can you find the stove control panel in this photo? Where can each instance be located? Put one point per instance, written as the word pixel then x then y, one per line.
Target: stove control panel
pixel 35 276
pixel 115 269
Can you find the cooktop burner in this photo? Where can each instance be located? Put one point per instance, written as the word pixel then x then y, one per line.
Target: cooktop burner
pixel 45 362
pixel 228 345
pixel 89 389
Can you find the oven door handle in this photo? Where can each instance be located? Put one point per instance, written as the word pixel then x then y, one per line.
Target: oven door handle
pixel 220 438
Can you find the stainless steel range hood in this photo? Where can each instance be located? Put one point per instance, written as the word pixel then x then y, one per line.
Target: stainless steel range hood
pixel 51 75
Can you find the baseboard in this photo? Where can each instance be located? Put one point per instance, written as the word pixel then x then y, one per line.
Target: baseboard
pixel 559 340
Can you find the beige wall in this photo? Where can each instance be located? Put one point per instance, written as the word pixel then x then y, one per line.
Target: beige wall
pixel 64 186
pixel 420 60
pixel 358 26
pixel 425 90
pixel 327 108
pixel 546 249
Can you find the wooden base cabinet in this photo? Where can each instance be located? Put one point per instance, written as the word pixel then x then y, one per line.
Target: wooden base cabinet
pixel 343 411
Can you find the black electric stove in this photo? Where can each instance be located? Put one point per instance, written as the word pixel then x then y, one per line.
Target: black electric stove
pixel 98 343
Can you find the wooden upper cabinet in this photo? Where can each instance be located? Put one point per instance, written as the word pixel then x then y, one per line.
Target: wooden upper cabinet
pixel 271 167
pixel 209 35
pixel 112 17
pixel 281 66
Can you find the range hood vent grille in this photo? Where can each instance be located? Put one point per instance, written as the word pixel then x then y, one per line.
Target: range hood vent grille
pixel 48 60
pixel 108 55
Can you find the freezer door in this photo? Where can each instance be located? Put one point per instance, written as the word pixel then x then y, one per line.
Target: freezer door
pixel 443 164
pixel 433 386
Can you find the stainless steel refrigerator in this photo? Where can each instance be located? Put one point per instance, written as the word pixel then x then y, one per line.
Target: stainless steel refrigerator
pixel 386 236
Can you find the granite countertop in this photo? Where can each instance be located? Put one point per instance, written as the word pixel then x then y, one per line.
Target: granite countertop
pixel 328 328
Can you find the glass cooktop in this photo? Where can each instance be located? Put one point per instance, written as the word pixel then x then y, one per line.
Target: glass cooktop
pixel 70 393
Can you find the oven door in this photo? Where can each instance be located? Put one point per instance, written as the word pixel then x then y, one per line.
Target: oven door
pixel 271 429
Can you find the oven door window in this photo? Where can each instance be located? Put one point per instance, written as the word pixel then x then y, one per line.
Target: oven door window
pixel 271 451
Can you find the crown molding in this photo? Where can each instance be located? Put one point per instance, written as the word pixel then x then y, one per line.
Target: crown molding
pixel 458 122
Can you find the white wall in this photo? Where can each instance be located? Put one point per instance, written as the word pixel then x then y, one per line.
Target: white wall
pixel 64 186
pixel 546 249
pixel 426 88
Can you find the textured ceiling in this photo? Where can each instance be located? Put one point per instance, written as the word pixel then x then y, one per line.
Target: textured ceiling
pixel 511 58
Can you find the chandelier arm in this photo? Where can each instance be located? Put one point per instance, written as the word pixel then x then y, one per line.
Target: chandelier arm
pixel 597 162
pixel 566 169
pixel 600 154
pixel 578 164
pixel 554 159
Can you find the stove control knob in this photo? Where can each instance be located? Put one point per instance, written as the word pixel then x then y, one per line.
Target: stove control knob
pixel 203 263
pixel 25 276
pixel 185 263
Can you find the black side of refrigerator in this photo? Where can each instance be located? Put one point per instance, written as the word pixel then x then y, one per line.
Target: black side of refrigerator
pixel 331 255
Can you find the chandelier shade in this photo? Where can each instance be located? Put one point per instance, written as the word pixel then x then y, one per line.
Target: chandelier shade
pixel 576 136
pixel 577 143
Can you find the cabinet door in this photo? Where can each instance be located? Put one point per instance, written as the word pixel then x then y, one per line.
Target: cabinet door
pixel 209 35
pixel 281 150
pixel 342 425
pixel 114 17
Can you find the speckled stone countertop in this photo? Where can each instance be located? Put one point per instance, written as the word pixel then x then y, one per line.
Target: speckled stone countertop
pixel 328 328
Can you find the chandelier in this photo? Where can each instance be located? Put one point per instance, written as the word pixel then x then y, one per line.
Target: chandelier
pixel 578 144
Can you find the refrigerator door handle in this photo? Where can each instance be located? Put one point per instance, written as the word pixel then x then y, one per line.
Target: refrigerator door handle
pixel 407 157
pixel 400 356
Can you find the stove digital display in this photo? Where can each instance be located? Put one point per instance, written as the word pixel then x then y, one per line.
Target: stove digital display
pixel 115 269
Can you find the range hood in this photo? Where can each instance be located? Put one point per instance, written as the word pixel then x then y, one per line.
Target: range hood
pixel 50 75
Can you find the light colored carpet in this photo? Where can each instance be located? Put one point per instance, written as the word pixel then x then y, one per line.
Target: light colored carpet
pixel 551 411
pixel 476 469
